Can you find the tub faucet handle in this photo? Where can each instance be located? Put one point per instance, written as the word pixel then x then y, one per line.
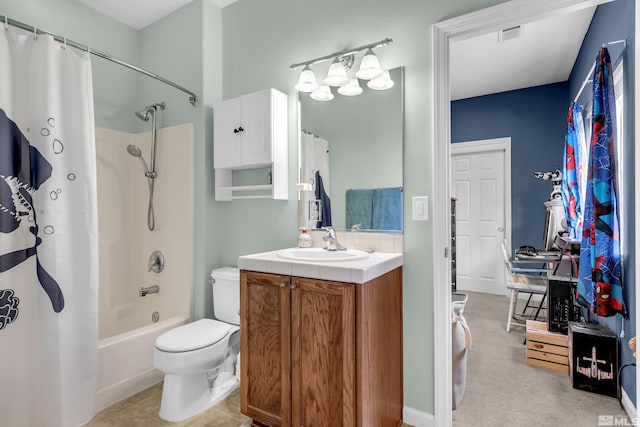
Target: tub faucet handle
pixel 156 262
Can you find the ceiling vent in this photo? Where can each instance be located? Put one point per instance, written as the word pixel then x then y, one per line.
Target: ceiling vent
pixel 509 34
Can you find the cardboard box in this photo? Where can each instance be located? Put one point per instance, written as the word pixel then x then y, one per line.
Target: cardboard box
pixel 546 349
pixel 593 358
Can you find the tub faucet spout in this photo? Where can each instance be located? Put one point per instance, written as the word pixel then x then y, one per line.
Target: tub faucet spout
pixel 150 290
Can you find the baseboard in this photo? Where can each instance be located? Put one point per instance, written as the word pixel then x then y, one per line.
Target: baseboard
pixel 628 406
pixel 417 418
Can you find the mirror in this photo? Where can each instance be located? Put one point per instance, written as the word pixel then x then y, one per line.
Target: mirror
pixel 356 141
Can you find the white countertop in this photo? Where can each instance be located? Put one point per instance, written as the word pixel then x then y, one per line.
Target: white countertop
pixel 362 271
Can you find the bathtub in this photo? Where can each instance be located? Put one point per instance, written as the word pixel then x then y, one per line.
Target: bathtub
pixel 125 362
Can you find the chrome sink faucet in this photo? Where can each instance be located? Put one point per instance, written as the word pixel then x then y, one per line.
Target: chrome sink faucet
pixel 331 241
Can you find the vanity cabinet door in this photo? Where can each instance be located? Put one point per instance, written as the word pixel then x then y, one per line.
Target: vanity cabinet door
pixel 265 347
pixel 323 353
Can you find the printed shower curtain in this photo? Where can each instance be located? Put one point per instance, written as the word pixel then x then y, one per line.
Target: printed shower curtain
pixel 48 234
pixel 574 177
pixel 600 271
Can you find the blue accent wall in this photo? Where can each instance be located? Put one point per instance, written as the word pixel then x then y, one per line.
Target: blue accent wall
pixel 535 119
pixel 612 22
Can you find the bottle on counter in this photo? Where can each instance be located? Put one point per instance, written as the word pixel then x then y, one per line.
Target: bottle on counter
pixel 304 238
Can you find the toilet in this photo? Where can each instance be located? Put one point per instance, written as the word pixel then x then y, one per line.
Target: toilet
pixel 199 359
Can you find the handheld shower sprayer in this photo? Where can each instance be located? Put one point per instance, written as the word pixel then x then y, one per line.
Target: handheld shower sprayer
pixel 149 112
pixel 134 150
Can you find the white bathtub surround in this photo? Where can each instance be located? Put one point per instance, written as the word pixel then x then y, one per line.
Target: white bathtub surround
pixel 125 241
pixel 48 226
pixel 126 330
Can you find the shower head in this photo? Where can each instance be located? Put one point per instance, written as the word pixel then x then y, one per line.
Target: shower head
pixel 144 114
pixel 134 150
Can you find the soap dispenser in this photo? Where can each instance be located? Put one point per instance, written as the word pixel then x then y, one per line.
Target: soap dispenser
pixel 304 238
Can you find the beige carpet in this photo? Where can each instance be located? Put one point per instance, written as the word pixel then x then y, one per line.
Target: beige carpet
pixel 502 390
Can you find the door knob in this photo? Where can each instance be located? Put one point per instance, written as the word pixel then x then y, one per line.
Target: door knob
pixel 501 229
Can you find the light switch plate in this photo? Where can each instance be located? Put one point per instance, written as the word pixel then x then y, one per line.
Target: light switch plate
pixel 420 208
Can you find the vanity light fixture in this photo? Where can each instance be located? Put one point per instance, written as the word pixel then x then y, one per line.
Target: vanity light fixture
pixel 342 61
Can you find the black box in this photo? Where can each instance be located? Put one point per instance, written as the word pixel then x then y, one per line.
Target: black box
pixel 561 304
pixel 593 358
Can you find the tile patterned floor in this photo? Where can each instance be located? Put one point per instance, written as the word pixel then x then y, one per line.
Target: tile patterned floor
pixel 141 410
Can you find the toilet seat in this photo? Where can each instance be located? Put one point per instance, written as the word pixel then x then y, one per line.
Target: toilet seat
pixel 193 336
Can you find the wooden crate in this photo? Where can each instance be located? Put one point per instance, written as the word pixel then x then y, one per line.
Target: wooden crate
pixel 549 350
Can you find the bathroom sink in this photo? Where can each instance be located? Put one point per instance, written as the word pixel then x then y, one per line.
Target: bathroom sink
pixel 321 255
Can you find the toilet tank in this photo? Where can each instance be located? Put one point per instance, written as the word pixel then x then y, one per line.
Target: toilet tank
pixel 226 294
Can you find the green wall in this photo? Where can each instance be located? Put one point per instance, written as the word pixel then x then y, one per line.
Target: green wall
pixel 260 40
pixel 249 46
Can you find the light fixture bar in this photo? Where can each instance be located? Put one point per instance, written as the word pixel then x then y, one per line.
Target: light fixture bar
pixel 343 52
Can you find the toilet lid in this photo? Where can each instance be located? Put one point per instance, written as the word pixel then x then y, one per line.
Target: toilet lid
pixel 193 336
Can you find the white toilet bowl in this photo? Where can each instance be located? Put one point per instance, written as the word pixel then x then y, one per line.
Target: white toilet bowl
pixel 193 358
pixel 199 358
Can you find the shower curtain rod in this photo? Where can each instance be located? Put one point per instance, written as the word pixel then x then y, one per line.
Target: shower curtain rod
pixel 590 72
pixel 8 21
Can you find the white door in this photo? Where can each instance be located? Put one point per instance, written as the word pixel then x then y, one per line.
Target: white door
pixel 480 182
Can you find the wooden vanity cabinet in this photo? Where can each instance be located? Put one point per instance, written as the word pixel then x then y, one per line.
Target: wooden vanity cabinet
pixel 321 353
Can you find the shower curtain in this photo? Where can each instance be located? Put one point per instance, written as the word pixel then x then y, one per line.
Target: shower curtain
pixel 48 234
pixel 600 270
pixel 315 159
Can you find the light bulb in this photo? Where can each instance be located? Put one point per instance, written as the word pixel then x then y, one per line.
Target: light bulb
pixel 323 93
pixel 306 81
pixel 381 82
pixel 369 66
pixel 352 88
pixel 337 74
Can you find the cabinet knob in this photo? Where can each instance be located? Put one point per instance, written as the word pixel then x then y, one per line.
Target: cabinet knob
pixel 236 131
pixel 282 285
pixel 293 286
pixel 240 129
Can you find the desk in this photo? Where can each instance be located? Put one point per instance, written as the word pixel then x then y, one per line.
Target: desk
pixel 554 264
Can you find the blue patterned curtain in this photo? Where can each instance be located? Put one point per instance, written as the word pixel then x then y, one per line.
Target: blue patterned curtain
pixel 600 285
pixel 574 177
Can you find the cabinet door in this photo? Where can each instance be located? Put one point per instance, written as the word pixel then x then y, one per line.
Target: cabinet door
pixel 227 137
pixel 257 125
pixel 265 358
pixel 323 353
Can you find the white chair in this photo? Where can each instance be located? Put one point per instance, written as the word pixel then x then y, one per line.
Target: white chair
pixel 532 281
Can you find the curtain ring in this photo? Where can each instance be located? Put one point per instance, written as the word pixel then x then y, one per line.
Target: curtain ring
pixel 6 24
pixel 64 45
pixel 35 33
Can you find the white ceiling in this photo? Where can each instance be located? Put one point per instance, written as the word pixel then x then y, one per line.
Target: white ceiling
pixel 140 13
pixel 544 53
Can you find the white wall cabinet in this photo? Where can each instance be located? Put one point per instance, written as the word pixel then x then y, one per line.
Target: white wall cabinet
pixel 251 132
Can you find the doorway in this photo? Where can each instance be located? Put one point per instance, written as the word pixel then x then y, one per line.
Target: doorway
pixel 470 25
pixel 481 183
